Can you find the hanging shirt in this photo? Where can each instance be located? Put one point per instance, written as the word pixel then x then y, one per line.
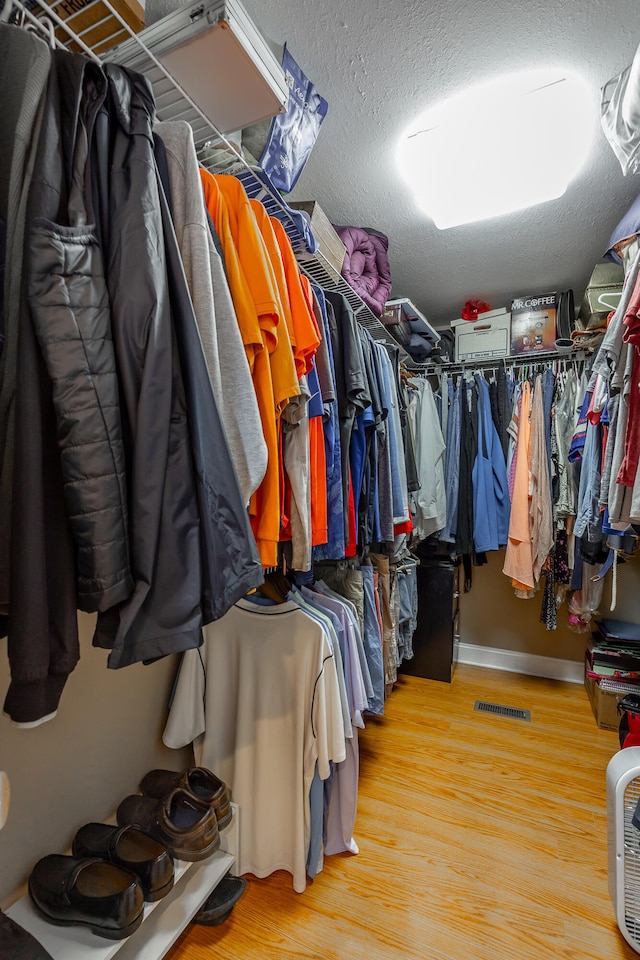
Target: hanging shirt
pixel 430 500
pixel 261 704
pixel 259 337
pixel 261 280
pixel 491 506
pixel 306 335
pixel 215 315
pixel 334 547
pixel 540 514
pixel 518 562
pixel 452 461
pixel 351 388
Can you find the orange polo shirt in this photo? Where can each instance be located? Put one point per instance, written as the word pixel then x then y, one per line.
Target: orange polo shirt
pixel 259 335
pixel 306 333
pixel 258 270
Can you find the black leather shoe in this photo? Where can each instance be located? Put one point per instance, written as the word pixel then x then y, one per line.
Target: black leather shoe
pixel 128 847
pixel 92 893
pixel 199 781
pixel 219 904
pixel 186 826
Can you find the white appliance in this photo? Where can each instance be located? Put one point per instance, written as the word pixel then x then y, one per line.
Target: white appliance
pixel 623 799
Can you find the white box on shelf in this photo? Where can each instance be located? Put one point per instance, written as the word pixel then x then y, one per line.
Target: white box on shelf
pixel 487 338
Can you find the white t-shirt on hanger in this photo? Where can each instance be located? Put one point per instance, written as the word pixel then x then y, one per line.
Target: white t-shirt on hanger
pixel 260 701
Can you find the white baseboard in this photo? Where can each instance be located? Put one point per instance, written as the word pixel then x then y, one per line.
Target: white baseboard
pixel 514 661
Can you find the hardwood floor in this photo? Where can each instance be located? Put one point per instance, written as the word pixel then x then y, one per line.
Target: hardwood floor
pixel 481 838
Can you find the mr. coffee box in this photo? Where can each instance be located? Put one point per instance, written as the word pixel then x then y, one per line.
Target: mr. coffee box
pixel 533 323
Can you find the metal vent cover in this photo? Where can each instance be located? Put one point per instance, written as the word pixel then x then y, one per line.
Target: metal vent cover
pixel 498 710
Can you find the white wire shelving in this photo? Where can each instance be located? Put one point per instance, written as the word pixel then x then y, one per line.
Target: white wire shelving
pixel 94 30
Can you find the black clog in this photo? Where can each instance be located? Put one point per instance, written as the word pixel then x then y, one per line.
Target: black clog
pixel 199 781
pixel 132 849
pixel 91 893
pixel 221 901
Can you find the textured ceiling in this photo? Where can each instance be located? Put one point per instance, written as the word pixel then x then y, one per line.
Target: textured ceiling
pixel 380 63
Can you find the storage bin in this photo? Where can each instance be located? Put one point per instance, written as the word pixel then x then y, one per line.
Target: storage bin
pixel 486 338
pixel 330 244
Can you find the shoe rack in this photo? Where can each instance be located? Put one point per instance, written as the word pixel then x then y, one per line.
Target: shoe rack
pixel 163 921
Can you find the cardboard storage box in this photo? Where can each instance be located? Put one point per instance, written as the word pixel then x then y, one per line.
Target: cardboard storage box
pixel 94 23
pixel 487 338
pixel 604 696
pixel 328 240
pixel 533 323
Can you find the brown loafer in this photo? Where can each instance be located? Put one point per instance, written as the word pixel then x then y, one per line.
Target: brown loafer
pixel 182 823
pixel 199 781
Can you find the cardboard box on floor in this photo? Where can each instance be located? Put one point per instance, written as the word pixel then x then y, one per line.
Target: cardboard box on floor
pixel 604 702
pixel 604 705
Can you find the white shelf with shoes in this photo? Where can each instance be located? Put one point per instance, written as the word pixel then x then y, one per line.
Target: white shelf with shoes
pixel 163 921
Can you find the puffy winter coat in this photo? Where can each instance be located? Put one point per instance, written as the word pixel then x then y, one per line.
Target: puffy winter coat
pixel 43 629
pixel 70 311
pixel 192 550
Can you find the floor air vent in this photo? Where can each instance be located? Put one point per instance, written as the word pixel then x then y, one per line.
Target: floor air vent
pixel 500 711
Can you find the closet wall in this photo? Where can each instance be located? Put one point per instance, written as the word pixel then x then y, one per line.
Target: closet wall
pixel 492 616
pixel 78 766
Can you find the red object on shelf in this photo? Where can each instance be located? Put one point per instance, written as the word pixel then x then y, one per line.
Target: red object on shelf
pixel 472 308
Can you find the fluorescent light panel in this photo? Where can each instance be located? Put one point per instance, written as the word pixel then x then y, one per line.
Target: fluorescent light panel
pixel 498 147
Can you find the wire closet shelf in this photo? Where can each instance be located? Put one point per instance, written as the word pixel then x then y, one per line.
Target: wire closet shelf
pixel 77 31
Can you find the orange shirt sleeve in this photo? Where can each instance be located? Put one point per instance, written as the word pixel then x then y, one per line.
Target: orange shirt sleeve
pixel 265 503
pixel 273 250
pixel 253 257
pixel 240 293
pixel 308 295
pixel 261 279
pixel 306 334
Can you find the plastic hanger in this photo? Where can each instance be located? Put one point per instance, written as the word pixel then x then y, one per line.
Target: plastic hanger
pixel 45 25
pixel 276 586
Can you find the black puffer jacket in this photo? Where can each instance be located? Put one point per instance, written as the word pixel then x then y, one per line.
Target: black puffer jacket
pixel 71 317
pixel 193 552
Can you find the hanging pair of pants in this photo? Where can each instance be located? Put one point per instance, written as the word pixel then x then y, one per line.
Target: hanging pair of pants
pixel 390 643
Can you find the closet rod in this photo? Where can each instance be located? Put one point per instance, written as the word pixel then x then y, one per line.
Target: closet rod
pixel 516 360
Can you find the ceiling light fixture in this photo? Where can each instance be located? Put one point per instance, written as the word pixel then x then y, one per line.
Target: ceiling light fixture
pixel 498 147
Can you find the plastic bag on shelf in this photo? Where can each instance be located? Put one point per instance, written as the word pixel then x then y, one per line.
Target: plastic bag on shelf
pixel 283 144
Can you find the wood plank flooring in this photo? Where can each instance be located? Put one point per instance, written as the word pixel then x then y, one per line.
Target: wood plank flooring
pixel 481 838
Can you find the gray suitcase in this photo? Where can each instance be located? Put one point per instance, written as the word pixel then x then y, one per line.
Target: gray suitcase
pixel 216 54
